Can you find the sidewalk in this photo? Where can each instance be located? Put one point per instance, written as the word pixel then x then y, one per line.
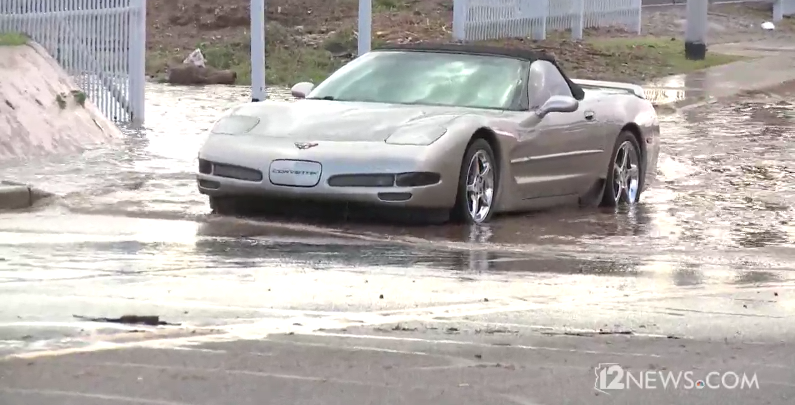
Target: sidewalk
pixel 772 66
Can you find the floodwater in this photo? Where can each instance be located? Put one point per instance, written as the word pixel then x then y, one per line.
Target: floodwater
pixel 710 251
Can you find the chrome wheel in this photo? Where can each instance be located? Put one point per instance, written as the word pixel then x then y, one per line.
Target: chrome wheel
pixel 626 174
pixel 480 186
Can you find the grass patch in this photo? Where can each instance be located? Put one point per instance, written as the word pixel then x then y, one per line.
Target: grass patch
pixel 235 56
pixel 13 39
pixel 80 97
pixel 289 66
pixel 284 66
pixel 390 5
pixel 649 57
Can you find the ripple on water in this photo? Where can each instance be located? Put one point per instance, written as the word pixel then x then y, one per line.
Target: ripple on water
pixel 740 187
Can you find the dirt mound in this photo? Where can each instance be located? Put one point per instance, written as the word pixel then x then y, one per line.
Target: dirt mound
pixel 43 111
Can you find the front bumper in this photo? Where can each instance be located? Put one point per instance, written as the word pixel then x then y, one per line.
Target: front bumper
pixel 246 170
pixel 434 196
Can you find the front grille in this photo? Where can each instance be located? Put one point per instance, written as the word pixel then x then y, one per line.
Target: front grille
pixel 229 171
pixel 236 172
pixel 362 180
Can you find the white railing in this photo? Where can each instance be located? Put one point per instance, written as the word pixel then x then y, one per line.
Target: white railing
pixel 475 20
pixel 102 43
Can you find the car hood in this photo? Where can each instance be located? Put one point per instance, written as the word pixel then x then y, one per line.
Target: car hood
pixel 321 120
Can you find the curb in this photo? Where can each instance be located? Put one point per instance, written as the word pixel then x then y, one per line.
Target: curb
pixel 15 196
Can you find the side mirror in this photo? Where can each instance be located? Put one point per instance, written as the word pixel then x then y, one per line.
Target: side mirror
pixel 301 90
pixel 558 104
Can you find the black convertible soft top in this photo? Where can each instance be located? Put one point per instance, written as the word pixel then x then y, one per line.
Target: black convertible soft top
pixel 516 53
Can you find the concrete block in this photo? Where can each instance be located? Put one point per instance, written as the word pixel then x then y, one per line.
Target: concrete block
pixel 15 197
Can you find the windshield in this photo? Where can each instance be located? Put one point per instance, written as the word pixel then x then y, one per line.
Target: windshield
pixel 445 79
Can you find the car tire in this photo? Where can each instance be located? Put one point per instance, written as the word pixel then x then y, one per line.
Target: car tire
pixel 473 187
pixel 624 180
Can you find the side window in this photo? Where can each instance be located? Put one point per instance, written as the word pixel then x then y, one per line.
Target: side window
pixel 544 82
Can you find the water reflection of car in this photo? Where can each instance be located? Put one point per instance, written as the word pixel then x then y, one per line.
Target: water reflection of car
pixel 469 131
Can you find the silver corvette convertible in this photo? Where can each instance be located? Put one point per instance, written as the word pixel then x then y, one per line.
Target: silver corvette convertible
pixel 454 129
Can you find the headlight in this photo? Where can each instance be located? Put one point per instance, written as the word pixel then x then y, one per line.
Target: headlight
pixel 234 125
pixel 416 135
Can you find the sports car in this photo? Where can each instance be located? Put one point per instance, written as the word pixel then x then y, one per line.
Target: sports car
pixel 462 130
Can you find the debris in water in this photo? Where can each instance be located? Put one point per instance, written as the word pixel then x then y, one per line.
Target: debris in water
pixel 588 333
pixel 400 327
pixel 151 320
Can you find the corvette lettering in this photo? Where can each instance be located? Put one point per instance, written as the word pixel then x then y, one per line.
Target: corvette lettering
pixel 294 172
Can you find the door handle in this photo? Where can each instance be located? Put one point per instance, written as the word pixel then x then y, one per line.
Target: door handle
pixel 589 115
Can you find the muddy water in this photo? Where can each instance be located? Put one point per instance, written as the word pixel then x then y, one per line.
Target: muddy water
pixel 130 234
pixel 725 195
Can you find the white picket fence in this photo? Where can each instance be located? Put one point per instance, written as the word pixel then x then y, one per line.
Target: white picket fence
pixel 475 20
pixel 102 43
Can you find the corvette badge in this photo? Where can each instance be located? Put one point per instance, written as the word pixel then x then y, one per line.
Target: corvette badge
pixel 305 145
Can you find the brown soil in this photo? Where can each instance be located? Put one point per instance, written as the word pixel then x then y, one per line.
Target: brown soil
pixel 182 24
pixel 178 26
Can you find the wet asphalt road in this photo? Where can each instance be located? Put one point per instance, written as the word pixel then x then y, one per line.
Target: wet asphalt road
pixel 697 271
pixel 399 367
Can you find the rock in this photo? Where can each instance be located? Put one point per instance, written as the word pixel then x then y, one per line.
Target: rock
pixel 196 58
pixel 198 76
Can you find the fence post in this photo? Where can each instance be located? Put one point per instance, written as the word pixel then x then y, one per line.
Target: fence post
pixel 258 50
pixel 539 31
pixel 696 29
pixel 778 11
pixel 460 11
pixel 639 21
pixel 137 64
pixel 578 15
pixel 365 26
